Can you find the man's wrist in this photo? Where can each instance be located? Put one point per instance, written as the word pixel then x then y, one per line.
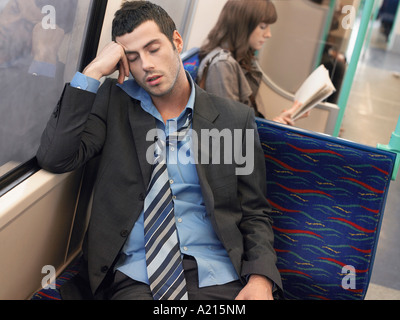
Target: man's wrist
pixel 84 82
pixel 92 72
pixel 262 279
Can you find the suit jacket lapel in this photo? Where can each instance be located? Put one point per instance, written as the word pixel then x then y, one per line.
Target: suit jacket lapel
pixel 204 109
pixel 141 123
pixel 204 117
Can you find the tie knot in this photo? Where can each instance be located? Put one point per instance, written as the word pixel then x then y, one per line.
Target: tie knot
pixel 181 133
pixel 177 135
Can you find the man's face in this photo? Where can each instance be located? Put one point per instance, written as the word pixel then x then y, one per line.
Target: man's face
pixel 153 61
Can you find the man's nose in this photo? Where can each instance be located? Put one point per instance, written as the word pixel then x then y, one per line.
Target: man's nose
pixel 147 63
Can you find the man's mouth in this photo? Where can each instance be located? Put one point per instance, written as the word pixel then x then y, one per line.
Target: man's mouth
pixel 153 80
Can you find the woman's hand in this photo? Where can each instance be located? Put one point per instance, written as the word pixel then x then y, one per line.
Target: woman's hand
pixel 286 117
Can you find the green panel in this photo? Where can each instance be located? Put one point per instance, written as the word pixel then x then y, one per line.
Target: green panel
pixel 352 68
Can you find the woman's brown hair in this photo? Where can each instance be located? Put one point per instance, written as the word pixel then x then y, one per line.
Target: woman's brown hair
pixel 237 21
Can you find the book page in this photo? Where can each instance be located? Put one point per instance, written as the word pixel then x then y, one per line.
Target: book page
pixel 317 87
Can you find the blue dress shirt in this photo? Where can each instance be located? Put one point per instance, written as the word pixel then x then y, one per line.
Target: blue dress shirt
pixel 196 235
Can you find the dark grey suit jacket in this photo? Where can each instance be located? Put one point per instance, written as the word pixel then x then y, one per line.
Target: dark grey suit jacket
pixel 114 125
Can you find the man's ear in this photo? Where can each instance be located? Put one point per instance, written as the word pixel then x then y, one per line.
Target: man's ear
pixel 178 41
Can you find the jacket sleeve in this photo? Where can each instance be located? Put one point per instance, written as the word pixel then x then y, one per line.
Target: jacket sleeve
pixel 256 224
pixel 76 130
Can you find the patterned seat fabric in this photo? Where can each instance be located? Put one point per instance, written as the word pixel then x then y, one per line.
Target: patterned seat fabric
pixel 328 197
pixel 191 62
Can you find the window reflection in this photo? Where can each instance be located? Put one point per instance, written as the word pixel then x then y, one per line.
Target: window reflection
pixel 40 40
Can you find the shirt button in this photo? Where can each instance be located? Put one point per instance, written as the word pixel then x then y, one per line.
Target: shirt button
pixel 172 149
pixel 174 197
pixel 185 248
pixel 180 220
pixel 171 181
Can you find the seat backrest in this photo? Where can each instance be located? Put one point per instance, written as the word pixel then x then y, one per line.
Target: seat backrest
pixel 328 196
pixel 191 62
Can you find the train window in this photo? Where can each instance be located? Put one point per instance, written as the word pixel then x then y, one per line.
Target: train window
pixel 42 44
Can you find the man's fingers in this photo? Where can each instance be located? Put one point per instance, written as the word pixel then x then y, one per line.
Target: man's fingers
pixel 123 68
pixel 125 64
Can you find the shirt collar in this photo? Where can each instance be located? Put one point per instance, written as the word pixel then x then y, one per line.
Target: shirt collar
pixel 135 91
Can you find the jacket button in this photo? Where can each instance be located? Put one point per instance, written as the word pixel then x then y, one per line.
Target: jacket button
pixel 142 197
pixel 104 269
pixel 124 233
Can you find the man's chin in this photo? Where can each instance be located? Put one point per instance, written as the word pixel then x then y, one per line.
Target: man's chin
pixel 157 91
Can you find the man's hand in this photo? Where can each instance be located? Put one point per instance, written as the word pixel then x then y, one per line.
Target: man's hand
pixel 109 60
pixel 258 288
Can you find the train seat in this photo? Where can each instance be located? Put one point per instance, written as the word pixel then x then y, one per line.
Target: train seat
pixel 328 197
pixel 191 62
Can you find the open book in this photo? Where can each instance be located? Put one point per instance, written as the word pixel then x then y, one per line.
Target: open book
pixel 317 87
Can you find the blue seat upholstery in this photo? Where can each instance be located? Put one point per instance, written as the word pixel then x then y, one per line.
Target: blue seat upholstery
pixel 328 196
pixel 191 62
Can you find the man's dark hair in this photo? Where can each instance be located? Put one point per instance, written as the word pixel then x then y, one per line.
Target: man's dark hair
pixel 133 13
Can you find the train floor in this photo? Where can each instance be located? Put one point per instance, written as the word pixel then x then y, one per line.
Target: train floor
pixel 371 116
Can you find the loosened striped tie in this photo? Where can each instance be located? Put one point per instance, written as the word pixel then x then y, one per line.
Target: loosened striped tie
pixel 163 256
